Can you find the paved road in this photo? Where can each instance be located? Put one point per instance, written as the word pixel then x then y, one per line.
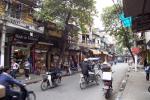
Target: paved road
pixel 70 90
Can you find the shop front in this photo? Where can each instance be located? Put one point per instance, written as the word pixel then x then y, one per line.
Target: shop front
pixel 39 54
pixel 19 47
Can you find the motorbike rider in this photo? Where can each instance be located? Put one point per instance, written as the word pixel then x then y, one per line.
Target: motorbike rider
pixel 54 73
pixel 85 68
pixel 7 81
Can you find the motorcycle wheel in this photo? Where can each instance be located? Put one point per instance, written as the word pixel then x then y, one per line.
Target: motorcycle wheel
pixel 149 89
pixel 107 95
pixel 31 96
pixel 59 80
pixel 97 80
pixel 82 84
pixel 44 85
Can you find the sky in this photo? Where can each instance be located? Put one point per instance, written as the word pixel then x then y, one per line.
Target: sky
pixel 100 4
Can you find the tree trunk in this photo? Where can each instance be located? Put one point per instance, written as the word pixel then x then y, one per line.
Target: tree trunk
pixel 128 45
pixel 64 40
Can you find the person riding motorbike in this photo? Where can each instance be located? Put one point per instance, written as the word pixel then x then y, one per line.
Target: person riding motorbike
pixel 85 68
pixel 7 81
pixel 54 73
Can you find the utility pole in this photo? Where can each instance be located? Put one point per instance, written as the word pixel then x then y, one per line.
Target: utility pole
pixel 3 37
pixel 3 42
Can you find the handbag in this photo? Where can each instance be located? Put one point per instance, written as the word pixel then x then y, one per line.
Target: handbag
pixel 147 68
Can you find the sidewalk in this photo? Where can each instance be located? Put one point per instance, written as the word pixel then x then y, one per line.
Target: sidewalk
pixel 33 79
pixel 136 87
pixel 36 78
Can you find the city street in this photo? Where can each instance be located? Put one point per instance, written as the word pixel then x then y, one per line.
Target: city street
pixel 70 90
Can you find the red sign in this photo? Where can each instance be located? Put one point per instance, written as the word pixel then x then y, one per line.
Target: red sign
pixel 135 50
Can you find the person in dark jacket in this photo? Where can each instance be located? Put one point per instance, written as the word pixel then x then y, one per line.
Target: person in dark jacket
pixel 85 68
pixel 147 69
pixel 55 73
pixel 8 81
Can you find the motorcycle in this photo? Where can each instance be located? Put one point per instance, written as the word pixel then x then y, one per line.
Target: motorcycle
pixel 149 89
pixel 25 95
pixel 85 81
pixel 107 79
pixel 49 81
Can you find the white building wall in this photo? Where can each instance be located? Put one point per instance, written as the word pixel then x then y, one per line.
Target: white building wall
pixel 147 37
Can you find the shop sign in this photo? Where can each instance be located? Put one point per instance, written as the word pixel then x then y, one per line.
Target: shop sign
pixel 56 33
pixel 26 37
pixel 23 24
pixel 135 50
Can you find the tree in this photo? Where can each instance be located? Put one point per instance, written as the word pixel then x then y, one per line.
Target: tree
pixel 66 12
pixel 113 26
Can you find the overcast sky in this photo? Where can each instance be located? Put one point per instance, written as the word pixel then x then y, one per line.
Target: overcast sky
pixel 100 4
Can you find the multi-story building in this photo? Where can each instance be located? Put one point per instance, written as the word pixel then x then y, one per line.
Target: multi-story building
pixel 19 31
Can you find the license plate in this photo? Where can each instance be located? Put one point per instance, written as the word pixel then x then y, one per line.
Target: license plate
pixel 106 87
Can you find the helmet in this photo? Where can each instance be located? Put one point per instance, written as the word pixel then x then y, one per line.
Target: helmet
pixel 85 59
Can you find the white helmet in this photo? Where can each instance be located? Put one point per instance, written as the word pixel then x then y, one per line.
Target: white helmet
pixel 85 59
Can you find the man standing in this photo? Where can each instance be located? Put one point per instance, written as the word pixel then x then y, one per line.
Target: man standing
pixel 27 69
pixel 147 69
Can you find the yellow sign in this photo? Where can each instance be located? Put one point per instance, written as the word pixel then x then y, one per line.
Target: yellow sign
pixel 55 33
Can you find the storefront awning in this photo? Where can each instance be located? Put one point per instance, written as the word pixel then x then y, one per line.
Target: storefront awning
pixel 134 8
pixel 105 52
pixel 140 13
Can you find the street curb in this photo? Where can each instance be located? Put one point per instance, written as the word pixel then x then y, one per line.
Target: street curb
pixel 122 86
pixel 36 81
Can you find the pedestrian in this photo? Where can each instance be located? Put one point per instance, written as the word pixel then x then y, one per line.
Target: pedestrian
pixel 15 68
pixel 147 69
pixel 27 69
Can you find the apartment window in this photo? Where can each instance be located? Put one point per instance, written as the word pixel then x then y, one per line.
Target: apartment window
pixel 15 11
pixel 97 41
pixel 93 40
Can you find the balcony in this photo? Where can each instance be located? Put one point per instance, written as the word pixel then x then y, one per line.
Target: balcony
pixel 31 3
pixel 21 24
pixel 88 45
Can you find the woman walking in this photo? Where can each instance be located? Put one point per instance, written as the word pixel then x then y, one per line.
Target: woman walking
pixel 15 68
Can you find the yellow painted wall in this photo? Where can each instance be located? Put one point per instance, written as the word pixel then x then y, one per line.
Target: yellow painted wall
pixel 2 8
pixel 27 18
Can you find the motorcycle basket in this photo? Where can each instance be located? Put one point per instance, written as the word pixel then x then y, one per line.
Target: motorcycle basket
pixel 44 76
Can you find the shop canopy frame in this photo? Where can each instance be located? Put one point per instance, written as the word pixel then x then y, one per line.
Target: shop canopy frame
pixel 140 13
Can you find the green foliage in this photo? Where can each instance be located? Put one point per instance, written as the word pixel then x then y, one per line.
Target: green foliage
pixel 113 26
pixel 57 11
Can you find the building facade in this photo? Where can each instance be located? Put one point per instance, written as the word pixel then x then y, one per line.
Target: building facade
pixel 19 31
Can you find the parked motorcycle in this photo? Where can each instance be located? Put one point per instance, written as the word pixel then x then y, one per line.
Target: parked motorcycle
pixel 73 70
pixel 149 89
pixel 49 81
pixel 85 81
